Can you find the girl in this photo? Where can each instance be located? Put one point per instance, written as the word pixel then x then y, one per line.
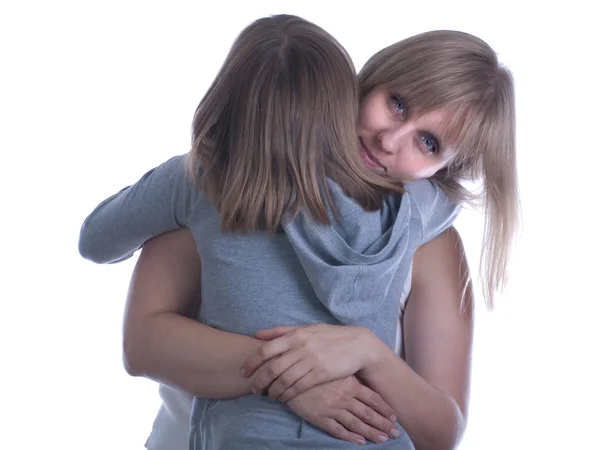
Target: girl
pixel 378 137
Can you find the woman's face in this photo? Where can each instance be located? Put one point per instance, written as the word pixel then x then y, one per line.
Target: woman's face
pixel 394 143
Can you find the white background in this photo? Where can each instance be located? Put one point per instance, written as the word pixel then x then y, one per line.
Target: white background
pixel 93 94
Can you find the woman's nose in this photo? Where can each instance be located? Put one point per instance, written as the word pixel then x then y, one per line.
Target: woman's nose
pixel 392 140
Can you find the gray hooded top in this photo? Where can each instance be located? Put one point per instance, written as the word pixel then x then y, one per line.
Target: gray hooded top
pixel 350 273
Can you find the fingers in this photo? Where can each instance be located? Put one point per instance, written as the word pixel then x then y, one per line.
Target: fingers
pixel 337 430
pixel 273 333
pixel 265 352
pixel 287 379
pixel 372 418
pixel 272 370
pixel 373 399
pixel 310 380
pixel 355 425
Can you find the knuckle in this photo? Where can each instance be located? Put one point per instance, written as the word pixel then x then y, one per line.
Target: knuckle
pixel 354 424
pixel 330 402
pixel 368 413
pixel 305 339
pixel 337 430
pixel 374 400
pixel 311 345
pixel 263 351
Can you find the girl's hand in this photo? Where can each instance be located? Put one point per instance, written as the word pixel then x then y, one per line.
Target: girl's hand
pixel 347 410
pixel 298 358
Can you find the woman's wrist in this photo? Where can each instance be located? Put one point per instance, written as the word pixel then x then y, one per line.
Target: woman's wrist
pixel 374 350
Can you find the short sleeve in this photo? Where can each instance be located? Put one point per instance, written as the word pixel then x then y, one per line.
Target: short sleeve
pixel 436 210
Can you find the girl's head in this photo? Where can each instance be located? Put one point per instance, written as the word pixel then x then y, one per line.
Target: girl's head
pixel 440 105
pixel 279 118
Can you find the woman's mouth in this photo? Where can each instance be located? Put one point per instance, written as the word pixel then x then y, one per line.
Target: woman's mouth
pixel 368 158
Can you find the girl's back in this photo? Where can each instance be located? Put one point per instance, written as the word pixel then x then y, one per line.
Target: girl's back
pixel 259 280
pixel 256 282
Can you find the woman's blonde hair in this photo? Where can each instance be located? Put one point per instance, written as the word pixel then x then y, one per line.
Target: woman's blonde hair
pixel 279 118
pixel 460 72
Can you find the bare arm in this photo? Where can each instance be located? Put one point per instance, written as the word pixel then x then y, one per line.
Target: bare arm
pixel 430 391
pixel 162 342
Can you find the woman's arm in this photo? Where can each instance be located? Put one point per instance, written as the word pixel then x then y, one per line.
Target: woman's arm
pixel 430 391
pixel 161 343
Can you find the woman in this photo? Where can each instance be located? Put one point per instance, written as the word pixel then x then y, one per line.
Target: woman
pixel 473 125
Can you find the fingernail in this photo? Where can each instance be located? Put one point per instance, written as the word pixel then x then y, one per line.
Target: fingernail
pixel 383 439
pixel 242 373
pixel 360 441
pixel 393 418
pixel 395 433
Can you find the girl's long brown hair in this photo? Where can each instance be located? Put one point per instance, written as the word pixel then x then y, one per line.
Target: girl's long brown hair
pixel 277 121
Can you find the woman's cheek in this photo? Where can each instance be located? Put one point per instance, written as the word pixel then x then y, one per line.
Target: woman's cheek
pixel 426 172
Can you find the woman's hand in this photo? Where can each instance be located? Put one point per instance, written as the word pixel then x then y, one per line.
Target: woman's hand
pixel 347 410
pixel 298 358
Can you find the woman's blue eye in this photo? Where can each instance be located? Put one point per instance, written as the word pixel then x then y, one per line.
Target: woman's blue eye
pixel 430 143
pixel 399 105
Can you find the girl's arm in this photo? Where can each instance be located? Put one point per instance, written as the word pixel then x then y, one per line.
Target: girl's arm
pixel 162 342
pixel 430 391
pixel 162 200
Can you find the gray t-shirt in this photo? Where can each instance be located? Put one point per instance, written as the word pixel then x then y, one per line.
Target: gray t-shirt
pixel 350 273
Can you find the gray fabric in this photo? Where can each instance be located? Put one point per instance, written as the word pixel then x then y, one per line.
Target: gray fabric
pixel 358 266
pixel 352 273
